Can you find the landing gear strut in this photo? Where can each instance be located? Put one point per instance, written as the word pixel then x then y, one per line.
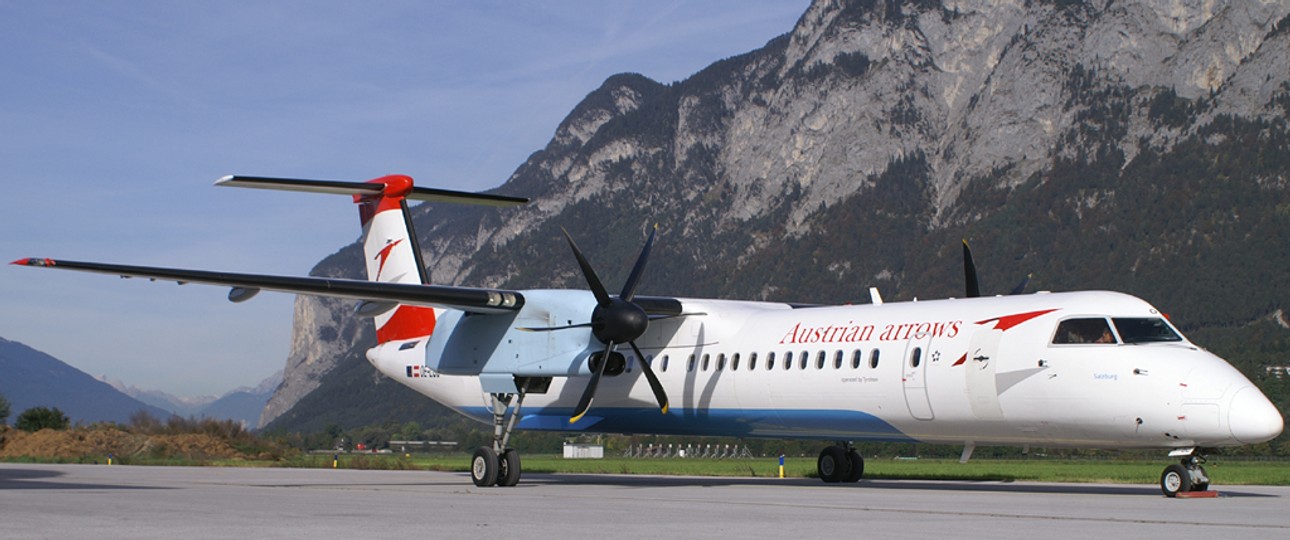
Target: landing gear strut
pixel 1185 476
pixel 498 465
pixel 840 463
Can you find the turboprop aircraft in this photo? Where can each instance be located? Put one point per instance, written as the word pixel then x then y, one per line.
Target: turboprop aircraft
pixel 1089 369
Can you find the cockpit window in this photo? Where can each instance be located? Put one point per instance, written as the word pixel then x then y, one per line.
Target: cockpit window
pixel 1077 331
pixel 1145 330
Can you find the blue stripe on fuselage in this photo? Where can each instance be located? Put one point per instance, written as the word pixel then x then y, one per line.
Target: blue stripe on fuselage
pixel 804 424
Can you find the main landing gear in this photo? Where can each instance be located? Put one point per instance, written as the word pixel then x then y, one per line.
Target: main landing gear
pixel 498 465
pixel 840 463
pixel 1186 476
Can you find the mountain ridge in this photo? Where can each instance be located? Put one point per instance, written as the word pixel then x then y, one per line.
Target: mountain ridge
pixel 34 379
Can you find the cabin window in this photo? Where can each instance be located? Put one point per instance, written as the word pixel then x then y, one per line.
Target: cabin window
pixel 752 362
pixel 855 359
pixel 663 367
pixel 630 360
pixel 734 362
pixel 837 360
pixel 1083 331
pixel 803 359
pixel 770 361
pixel 819 359
pixel 706 358
pixel 1145 330
pixel 916 357
pixel 788 360
pixel 690 365
pixel 873 359
pixel 721 362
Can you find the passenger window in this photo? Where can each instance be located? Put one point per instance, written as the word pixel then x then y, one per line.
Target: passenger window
pixel 855 359
pixel 734 362
pixel 788 360
pixel 770 361
pixel 752 362
pixel 630 360
pixel 837 360
pixel 873 359
pixel 690 365
pixel 705 362
pixel 721 362
pixel 803 359
pixel 1083 331
pixel 664 366
pixel 916 357
pixel 819 359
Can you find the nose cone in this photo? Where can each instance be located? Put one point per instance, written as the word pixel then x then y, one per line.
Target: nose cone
pixel 1252 418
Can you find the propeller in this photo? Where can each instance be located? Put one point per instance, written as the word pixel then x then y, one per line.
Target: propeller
pixel 973 286
pixel 615 320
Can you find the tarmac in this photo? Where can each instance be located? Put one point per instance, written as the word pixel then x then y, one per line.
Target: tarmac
pixel 104 502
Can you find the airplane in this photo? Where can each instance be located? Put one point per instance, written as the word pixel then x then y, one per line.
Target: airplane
pixel 1090 369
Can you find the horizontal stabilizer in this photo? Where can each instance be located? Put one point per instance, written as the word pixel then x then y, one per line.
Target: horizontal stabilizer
pixel 338 187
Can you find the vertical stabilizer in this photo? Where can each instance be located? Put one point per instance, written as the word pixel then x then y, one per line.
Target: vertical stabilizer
pixel 393 256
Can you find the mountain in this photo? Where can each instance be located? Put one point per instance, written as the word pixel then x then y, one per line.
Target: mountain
pixel 241 404
pixel 30 378
pixel 1135 146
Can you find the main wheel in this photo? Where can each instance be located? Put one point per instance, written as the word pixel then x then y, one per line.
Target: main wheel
pixel 483 467
pixel 508 464
pixel 856 464
pixel 832 465
pixel 1175 480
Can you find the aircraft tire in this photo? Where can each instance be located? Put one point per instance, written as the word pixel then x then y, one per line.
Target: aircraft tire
pixel 856 467
pixel 832 465
pixel 1175 480
pixel 508 464
pixel 483 467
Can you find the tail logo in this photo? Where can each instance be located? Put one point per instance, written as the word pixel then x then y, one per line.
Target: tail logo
pixel 384 255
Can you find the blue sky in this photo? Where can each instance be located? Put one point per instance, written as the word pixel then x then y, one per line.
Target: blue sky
pixel 117 116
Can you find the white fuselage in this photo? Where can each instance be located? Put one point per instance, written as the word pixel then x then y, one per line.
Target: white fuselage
pixel 977 371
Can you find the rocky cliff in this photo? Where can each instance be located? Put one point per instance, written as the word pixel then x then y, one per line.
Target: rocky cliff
pixel 855 150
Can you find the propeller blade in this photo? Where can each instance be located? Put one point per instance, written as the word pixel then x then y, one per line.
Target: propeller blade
pixel 1021 287
pixel 969 272
pixel 551 328
pixel 664 316
pixel 584 403
pixel 593 281
pixel 633 279
pixel 654 385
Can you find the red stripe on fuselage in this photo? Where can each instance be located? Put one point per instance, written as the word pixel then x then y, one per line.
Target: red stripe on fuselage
pixel 1007 322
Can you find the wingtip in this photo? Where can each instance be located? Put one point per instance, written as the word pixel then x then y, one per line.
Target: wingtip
pixel 33 261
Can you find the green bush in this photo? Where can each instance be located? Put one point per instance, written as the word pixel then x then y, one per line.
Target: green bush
pixel 38 418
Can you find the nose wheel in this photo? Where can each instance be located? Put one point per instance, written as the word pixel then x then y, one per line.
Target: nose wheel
pixel 1186 476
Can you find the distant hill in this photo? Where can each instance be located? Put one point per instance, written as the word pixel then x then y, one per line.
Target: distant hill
pixel 30 378
pixel 242 404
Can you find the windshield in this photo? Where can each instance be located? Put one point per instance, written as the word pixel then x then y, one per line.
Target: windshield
pixel 1145 330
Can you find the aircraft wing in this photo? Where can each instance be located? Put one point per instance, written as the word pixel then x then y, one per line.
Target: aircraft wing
pixel 246 285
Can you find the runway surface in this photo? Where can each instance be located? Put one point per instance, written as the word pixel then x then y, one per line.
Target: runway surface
pixel 98 501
